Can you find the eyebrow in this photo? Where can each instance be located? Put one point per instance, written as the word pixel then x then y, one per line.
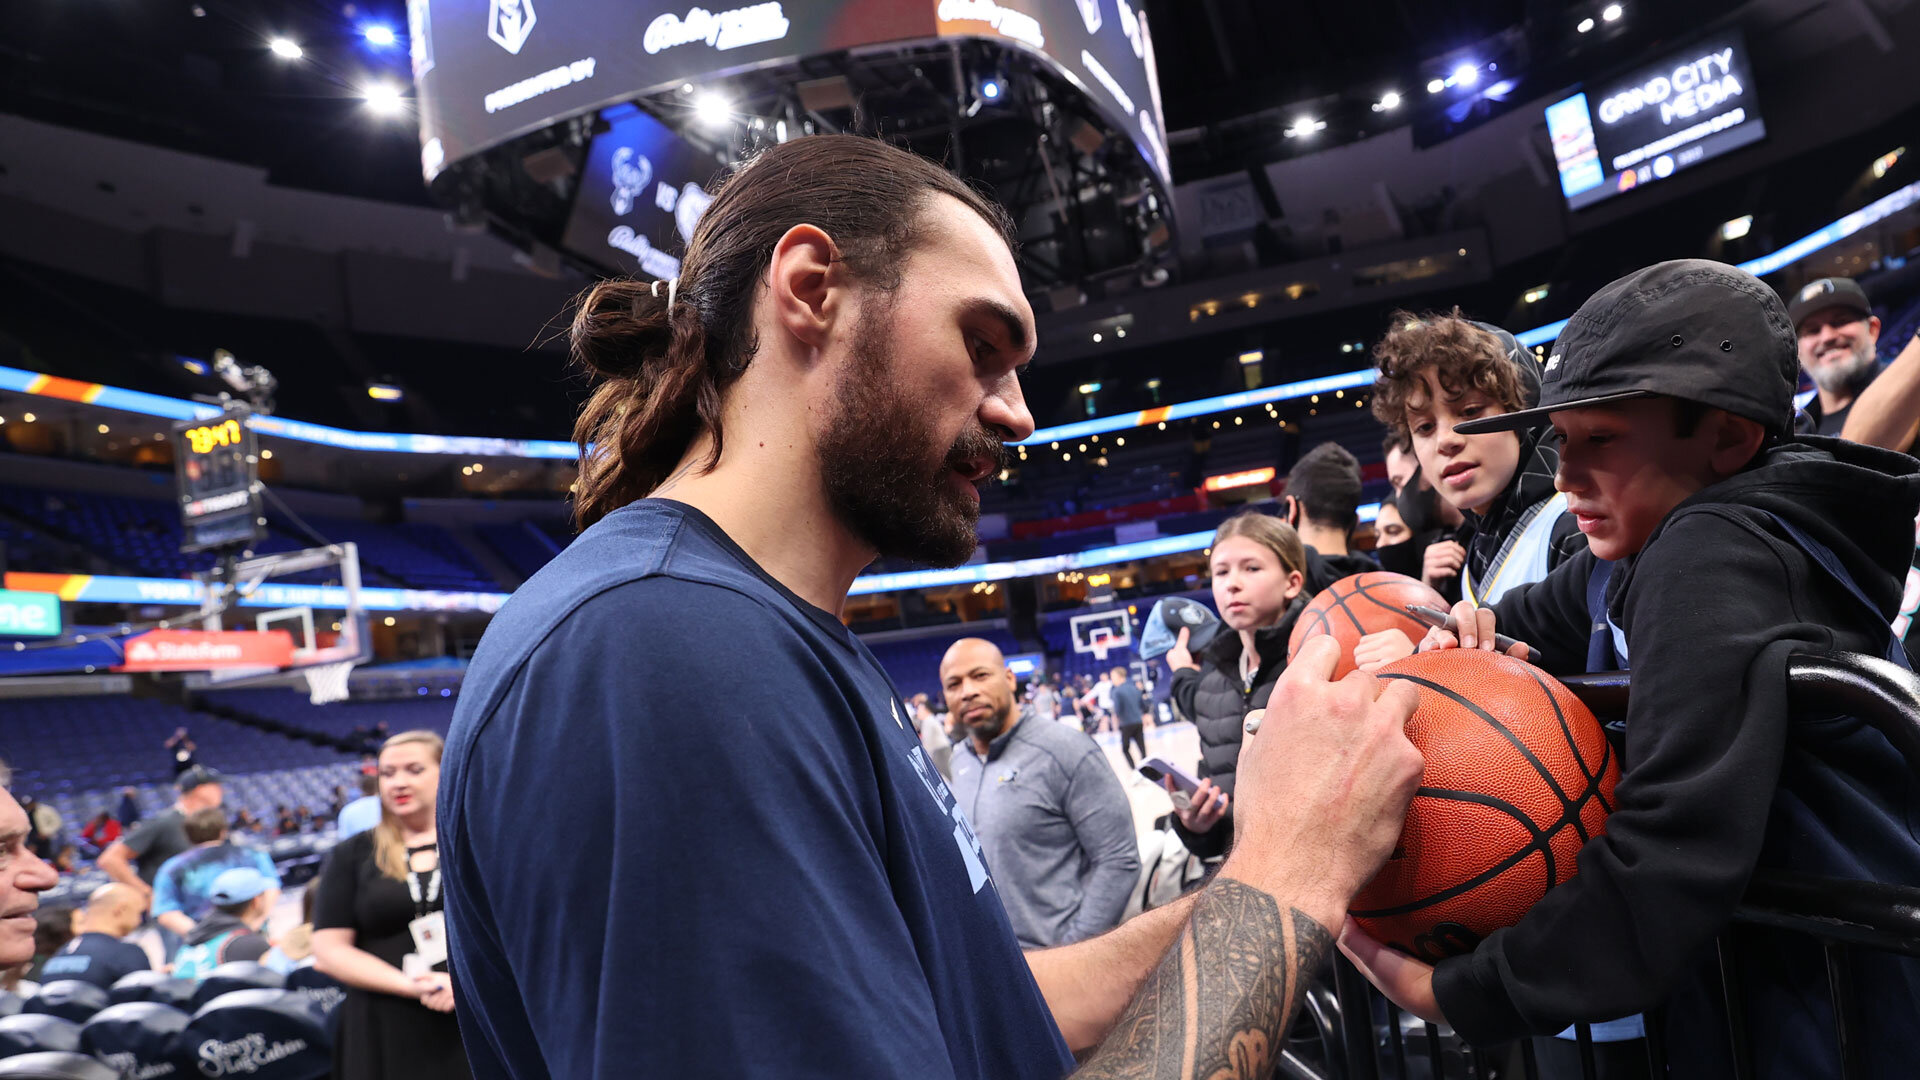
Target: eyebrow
pixel 1016 327
pixel 10 837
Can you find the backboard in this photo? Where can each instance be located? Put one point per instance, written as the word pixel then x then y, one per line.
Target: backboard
pixel 1098 632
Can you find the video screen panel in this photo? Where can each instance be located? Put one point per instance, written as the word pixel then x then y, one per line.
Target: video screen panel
pixel 1689 108
pixel 489 70
pixel 641 193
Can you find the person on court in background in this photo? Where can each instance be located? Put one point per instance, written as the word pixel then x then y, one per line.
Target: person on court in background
pixel 1322 503
pixel 1129 708
pixel 803 895
pixel 1257 570
pixel 161 837
pixel 1054 824
pixel 98 953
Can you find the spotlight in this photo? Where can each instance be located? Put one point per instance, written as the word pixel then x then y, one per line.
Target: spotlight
pixel 1434 86
pixel 1612 12
pixel 1466 75
pixel 1388 100
pixel 713 110
pixel 780 131
pixel 383 99
pixel 1585 25
pixel 1096 339
pixel 1737 228
pixel 991 89
pixel 379 35
pixel 1302 127
pixel 285 48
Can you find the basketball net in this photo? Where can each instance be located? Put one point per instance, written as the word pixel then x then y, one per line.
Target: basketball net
pixel 1100 641
pixel 327 683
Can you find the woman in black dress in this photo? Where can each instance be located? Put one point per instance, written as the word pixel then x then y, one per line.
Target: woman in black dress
pixel 377 928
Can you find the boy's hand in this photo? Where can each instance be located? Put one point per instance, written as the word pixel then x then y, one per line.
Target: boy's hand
pixel 1375 651
pixel 1442 562
pixel 1476 630
pixel 1407 982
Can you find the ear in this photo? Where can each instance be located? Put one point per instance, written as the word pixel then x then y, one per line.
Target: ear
pixel 1736 439
pixel 805 284
pixel 1295 582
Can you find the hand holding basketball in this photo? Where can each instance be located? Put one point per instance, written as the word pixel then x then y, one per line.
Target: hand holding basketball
pixel 1406 981
pixel 1324 785
pixel 1379 649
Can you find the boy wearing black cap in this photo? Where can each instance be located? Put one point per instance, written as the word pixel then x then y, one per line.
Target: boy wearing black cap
pixel 1719 547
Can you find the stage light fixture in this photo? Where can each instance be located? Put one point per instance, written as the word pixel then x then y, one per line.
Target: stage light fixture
pixel 1612 12
pixel 1737 228
pixel 1586 24
pixel 1302 127
pixel 991 89
pixel 379 35
pixel 713 110
pixel 383 99
pixel 286 48
pixel 1434 86
pixel 1388 100
pixel 1466 75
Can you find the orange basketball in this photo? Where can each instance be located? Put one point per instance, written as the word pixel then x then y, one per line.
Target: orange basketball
pixel 1363 604
pixel 1519 776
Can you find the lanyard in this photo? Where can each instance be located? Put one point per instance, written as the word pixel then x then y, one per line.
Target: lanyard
pixel 420 904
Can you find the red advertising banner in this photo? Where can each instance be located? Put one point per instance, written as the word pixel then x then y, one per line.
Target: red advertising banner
pixel 201 650
pixel 1113 515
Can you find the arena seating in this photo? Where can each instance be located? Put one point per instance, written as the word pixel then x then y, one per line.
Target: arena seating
pixel 292 708
pixel 524 545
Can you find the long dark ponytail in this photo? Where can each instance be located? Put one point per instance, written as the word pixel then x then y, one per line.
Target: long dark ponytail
pixel 662 369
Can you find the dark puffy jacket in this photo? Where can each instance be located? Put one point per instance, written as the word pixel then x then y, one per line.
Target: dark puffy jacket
pixel 1217 702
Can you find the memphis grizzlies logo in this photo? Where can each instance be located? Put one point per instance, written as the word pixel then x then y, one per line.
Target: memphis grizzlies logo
pixel 632 172
pixel 509 22
pixel 963 837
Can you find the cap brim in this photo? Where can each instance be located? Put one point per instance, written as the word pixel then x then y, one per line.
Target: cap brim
pixel 1526 418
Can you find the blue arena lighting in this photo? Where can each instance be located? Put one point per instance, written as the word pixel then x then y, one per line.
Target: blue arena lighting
pixel 379 35
pixel 21 381
pixel 991 89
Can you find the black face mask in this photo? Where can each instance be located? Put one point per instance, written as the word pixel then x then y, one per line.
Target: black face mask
pixel 1402 558
pixel 1419 507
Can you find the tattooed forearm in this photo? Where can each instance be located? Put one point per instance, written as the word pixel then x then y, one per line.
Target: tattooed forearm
pixel 1219 1004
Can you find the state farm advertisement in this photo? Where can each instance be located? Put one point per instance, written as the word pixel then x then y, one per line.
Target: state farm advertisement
pixel 202 650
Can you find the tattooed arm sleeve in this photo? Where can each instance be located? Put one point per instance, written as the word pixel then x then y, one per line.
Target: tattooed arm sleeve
pixel 1220 1001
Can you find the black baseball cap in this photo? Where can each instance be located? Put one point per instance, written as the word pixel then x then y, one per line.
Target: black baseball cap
pixel 194 777
pixel 1828 292
pixel 1690 328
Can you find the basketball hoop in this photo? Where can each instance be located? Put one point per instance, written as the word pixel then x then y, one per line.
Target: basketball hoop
pixel 1099 641
pixel 327 683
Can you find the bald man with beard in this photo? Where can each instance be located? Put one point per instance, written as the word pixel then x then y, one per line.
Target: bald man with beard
pixel 1053 821
pixel 98 954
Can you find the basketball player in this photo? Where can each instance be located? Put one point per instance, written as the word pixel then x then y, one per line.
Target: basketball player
pixel 775 881
pixel 1720 545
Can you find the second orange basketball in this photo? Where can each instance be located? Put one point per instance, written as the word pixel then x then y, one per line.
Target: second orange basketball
pixel 1353 607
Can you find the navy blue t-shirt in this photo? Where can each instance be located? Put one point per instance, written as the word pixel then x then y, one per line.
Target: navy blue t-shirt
pixel 100 959
pixel 744 864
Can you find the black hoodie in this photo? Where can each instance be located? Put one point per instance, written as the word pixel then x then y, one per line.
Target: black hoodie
pixel 1485 535
pixel 1720 777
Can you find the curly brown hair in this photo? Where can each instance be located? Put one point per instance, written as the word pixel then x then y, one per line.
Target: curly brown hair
pixel 1463 356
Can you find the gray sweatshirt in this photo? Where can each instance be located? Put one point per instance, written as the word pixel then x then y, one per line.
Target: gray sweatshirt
pixel 1056 828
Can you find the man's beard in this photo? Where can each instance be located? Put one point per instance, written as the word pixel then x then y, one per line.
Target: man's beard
pixel 874 456
pixel 1850 374
pixel 989 727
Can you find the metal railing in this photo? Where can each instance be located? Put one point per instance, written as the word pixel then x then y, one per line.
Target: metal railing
pixel 1348 1031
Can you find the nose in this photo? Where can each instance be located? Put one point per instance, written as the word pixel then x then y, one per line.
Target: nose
pixel 35 875
pixel 1005 409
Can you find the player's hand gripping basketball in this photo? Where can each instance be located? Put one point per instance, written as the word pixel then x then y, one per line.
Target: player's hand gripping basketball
pixel 1476 632
pixel 1323 786
pixel 1377 650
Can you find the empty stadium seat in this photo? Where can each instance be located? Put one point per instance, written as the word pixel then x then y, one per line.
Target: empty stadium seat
pixel 69 999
